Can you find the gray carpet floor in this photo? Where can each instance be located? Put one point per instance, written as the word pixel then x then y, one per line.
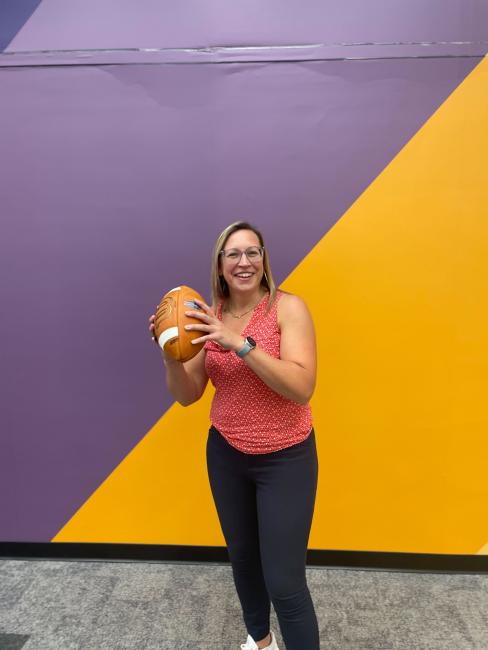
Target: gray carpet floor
pixel 48 605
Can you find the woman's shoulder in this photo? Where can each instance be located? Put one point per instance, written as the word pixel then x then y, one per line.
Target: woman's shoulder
pixel 290 306
pixel 289 300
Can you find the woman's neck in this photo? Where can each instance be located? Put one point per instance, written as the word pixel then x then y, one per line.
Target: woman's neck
pixel 238 303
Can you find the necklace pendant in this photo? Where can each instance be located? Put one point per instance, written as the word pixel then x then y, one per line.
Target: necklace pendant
pixel 237 315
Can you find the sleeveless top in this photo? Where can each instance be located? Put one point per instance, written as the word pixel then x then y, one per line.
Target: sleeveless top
pixel 252 417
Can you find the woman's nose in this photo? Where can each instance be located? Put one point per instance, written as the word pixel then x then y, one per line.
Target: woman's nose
pixel 243 261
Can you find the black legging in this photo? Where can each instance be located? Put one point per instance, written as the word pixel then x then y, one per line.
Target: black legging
pixel 265 505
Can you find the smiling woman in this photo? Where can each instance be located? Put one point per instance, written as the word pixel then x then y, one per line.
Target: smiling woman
pixel 239 251
pixel 260 354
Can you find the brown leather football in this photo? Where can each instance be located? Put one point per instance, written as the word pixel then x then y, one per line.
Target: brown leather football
pixel 170 321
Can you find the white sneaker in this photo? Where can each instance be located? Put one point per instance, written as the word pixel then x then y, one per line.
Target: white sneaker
pixel 252 645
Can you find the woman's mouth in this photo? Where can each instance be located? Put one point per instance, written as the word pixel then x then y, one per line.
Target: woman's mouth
pixel 244 276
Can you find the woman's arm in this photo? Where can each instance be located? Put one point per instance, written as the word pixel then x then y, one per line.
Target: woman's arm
pixel 186 381
pixel 293 375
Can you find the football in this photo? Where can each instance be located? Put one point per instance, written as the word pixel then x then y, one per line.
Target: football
pixel 170 321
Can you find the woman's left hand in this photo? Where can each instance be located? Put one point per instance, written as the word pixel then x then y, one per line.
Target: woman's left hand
pixel 214 328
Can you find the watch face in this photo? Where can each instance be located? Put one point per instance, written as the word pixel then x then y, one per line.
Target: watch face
pixel 251 341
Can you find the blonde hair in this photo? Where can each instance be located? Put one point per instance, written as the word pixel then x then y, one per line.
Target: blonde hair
pixel 220 289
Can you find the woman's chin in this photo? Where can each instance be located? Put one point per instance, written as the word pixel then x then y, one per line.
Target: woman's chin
pixel 243 287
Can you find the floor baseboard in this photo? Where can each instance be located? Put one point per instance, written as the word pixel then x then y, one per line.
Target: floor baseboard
pixel 372 560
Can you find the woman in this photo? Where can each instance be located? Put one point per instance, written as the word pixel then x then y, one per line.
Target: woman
pixel 260 354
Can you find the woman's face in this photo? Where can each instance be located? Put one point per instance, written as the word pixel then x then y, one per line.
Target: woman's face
pixel 240 273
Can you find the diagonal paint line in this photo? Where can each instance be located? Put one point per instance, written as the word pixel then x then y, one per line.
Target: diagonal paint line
pixel 154 429
pixel 385 170
pixel 339 211
pixel 412 138
pixel 14 14
pixel 414 248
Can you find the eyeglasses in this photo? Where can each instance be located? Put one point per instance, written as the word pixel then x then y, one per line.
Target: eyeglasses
pixel 253 254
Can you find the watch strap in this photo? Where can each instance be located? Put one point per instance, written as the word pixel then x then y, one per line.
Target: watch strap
pixel 249 344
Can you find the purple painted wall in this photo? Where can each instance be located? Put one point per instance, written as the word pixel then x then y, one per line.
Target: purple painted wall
pixel 115 180
pixel 85 24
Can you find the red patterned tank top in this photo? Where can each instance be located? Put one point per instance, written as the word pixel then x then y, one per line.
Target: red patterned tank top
pixel 251 416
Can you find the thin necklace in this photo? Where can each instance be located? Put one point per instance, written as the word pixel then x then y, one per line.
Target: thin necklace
pixel 226 309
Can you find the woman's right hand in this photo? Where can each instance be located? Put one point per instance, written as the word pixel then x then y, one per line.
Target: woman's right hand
pixel 152 332
pixel 186 385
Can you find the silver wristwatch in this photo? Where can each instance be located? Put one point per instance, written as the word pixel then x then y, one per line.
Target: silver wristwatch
pixel 249 344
